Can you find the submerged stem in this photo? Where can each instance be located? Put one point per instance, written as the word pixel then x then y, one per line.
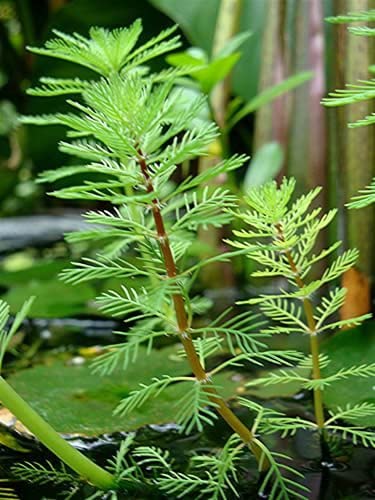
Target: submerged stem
pixel 53 441
pixel 183 328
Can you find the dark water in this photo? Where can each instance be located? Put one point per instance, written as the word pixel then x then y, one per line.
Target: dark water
pixel 349 474
pixel 38 231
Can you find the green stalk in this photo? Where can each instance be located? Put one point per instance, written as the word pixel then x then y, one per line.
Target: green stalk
pixel 356 147
pixel 272 120
pixel 226 27
pixel 26 19
pixel 359 152
pixel 308 127
pixel 314 344
pixel 53 441
pixel 184 334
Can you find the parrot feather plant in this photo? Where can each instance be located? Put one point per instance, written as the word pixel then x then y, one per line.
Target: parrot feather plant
pixel 127 125
pixel 291 230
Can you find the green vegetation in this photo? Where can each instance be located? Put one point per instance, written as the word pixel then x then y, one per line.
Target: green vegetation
pixel 148 156
pixel 292 231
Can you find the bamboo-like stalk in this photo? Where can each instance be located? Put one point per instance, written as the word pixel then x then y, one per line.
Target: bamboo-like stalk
pixel 314 343
pixel 355 147
pixel 183 328
pixel 226 27
pixel 272 120
pixel 53 441
pixel 359 144
pixel 307 158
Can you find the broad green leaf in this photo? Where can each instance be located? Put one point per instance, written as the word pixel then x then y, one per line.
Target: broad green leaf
pixel 186 97
pixel 211 73
pixel 208 74
pixel 233 44
pixel 39 270
pixel 74 400
pixel 215 72
pixel 351 348
pixel 53 298
pixel 265 165
pixel 192 57
pixel 197 20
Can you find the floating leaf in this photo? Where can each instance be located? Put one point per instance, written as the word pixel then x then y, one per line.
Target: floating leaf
pixel 38 270
pixel 74 400
pixel 346 349
pixel 53 298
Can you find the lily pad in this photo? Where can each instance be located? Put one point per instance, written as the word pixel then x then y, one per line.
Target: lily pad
pixel 351 348
pixel 74 400
pixel 39 270
pixel 52 298
pixel 8 438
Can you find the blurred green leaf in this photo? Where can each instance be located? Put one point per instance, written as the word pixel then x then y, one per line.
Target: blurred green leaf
pixel 194 56
pixel 197 19
pixel 233 44
pixel 216 71
pixel 346 349
pixel 269 95
pixel 39 270
pixel 3 79
pixel 74 400
pixel 8 117
pixel 206 74
pixel 185 97
pixel 265 165
pixel 53 298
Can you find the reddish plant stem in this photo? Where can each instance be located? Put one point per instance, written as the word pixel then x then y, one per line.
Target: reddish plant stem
pixel 311 323
pixel 183 327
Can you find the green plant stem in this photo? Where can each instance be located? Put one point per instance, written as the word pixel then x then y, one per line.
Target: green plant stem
pixel 183 329
pixel 314 344
pixel 226 27
pixel 53 441
pixel 26 19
